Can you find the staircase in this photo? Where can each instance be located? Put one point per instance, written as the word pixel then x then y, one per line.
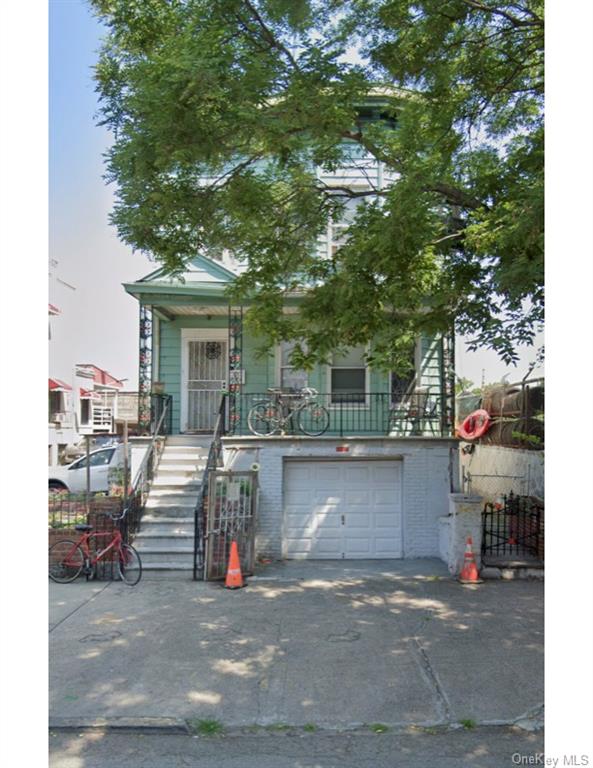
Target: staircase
pixel 165 541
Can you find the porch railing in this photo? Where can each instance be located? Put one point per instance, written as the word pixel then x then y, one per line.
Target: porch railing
pixel 424 412
pixel 212 463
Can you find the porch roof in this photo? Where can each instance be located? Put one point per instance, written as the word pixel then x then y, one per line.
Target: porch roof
pixel 56 385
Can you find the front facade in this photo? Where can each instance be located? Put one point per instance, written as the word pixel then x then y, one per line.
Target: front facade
pixel 367 469
pixel 373 485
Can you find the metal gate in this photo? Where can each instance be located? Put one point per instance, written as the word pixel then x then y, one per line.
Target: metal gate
pixel 206 380
pixel 513 526
pixel 230 516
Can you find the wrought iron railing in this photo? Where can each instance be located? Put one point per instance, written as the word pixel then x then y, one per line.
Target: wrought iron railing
pixel 230 515
pixel 161 406
pixel 513 526
pixel 424 412
pixel 212 463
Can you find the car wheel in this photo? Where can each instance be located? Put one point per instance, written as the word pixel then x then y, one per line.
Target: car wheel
pixel 55 488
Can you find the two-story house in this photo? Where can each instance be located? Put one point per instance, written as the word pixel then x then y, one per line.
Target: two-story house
pixel 365 472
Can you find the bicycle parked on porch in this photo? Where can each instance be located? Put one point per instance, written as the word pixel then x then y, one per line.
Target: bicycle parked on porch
pixel 284 409
pixel 68 558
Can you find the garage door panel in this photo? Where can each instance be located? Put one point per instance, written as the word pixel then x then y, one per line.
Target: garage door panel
pixel 343 509
pixel 322 497
pixel 382 474
pixel 326 473
pixel 357 497
pixel 358 520
pixel 359 547
pixel 387 521
pixel 298 495
pixel 295 547
pixel 357 473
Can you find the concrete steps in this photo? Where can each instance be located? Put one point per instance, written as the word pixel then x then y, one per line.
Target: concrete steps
pixel 165 541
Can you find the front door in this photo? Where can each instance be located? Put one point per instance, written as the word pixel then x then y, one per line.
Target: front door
pixel 205 379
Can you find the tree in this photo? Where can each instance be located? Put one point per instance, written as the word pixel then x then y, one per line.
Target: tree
pixel 222 110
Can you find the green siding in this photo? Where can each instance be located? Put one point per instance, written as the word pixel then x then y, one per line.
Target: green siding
pixel 260 370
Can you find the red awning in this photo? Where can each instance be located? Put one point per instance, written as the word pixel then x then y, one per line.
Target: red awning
pixel 88 394
pixel 55 385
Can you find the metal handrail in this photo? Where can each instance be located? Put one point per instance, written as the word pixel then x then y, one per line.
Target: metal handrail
pixel 211 464
pixel 155 436
pixel 149 457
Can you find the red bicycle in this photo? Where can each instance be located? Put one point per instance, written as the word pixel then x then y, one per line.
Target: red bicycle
pixel 68 559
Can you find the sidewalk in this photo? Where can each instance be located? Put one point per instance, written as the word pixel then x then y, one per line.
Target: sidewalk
pixel 331 644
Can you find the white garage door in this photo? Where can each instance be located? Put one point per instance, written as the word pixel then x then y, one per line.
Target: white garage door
pixel 343 509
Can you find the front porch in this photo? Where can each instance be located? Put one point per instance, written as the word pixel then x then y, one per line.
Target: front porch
pixel 193 346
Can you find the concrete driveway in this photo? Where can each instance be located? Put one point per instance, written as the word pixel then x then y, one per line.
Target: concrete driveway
pixel 336 645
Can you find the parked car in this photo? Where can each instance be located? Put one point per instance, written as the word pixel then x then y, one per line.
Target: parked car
pixel 72 477
pixel 75 451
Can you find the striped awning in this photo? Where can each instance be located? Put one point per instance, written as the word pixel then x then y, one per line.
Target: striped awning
pixel 56 385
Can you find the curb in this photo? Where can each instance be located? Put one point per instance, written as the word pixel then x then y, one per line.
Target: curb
pixel 152 724
pixel 174 725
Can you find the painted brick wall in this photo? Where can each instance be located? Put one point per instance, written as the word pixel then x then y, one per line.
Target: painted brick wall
pixel 426 483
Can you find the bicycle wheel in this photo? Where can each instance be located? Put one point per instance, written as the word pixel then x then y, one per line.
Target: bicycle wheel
pixel 129 565
pixel 313 419
pixel 66 561
pixel 264 419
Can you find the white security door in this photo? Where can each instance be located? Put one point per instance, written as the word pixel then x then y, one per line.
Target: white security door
pixel 343 509
pixel 206 370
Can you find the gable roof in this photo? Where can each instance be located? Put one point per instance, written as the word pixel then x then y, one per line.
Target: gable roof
pixel 100 377
pixel 201 269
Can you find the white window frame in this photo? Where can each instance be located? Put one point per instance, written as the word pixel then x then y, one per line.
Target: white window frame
pixel 367 384
pixel 343 224
pixel 278 366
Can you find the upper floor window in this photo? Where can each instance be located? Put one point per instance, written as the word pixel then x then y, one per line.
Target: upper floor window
pixel 348 376
pixel 290 377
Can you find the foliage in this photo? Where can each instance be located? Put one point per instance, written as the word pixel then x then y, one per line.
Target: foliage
pixel 223 110
pixel 205 727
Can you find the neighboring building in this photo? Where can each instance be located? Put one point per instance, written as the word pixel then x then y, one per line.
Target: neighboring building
pixel 99 408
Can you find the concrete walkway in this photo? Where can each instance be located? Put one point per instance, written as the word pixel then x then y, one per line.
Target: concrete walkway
pixel 336 645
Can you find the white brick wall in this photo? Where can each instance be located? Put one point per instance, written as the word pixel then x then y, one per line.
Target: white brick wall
pixel 427 464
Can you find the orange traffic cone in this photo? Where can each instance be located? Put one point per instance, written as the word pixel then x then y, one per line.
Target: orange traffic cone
pixel 469 573
pixel 234 578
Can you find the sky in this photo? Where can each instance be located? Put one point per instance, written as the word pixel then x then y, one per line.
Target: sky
pixel 99 321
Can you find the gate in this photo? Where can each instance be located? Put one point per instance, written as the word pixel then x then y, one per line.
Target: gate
pixel 513 526
pixel 230 516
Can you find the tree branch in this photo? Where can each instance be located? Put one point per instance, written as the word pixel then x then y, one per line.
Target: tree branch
pixel 270 36
pixel 508 16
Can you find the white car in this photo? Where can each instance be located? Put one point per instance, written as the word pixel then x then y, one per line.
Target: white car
pixel 72 477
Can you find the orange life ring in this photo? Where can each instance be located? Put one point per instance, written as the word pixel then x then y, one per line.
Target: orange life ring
pixel 475 425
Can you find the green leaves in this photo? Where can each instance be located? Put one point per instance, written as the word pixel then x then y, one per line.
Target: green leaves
pixel 234 120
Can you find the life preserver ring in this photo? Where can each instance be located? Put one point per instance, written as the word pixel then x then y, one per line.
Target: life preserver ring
pixel 475 425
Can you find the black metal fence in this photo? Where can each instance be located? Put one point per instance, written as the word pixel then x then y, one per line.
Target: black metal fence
pixel 105 513
pixel 66 510
pixel 420 413
pixel 513 526
pixel 230 516
pixel 161 414
pixel 200 513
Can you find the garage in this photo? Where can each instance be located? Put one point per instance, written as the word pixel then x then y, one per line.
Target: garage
pixel 345 509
